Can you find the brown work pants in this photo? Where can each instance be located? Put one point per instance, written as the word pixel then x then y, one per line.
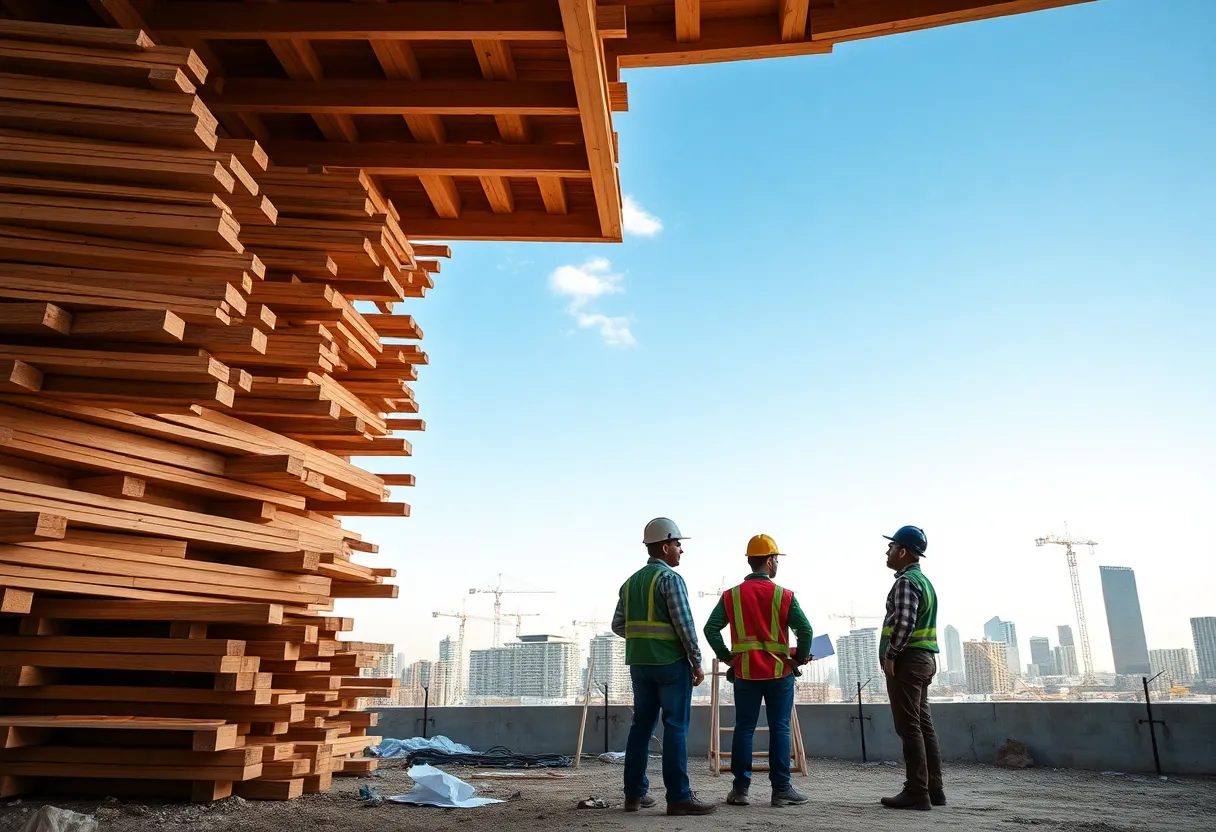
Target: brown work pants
pixel 908 690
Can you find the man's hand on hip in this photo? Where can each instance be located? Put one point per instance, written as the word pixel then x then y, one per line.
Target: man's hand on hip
pixel 698 676
pixel 888 666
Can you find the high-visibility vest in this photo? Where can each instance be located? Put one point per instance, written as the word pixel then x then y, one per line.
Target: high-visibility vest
pixel 758 612
pixel 924 631
pixel 650 638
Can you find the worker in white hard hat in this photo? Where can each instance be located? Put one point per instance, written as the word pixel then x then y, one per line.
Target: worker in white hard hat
pixel 654 618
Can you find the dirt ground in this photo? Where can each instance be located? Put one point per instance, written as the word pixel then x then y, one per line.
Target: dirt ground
pixel 844 797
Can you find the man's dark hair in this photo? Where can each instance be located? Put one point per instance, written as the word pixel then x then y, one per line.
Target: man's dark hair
pixel 759 564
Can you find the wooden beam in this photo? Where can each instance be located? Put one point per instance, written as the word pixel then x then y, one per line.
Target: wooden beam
pixel 494 58
pixel 688 20
pixel 418 159
pixel 618 96
pixel 885 17
pixel 733 39
pixel 610 21
pixel 531 226
pixel 792 14
pixel 444 196
pixel 591 87
pixel 553 194
pixel 125 14
pixel 392 97
pixel 530 20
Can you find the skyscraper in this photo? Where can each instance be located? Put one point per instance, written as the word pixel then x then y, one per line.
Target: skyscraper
pixel 608 666
pixel 1203 630
pixel 1068 652
pixel 1041 657
pixel 857 659
pixel 987 667
pixel 538 666
pixel 954 650
pixel 1006 633
pixel 1175 667
pixel 1124 620
pixel 452 656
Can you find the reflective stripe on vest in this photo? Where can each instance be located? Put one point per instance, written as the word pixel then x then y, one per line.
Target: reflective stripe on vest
pixel 759 655
pixel 650 627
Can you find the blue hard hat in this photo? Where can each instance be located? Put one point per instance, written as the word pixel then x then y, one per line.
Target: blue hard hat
pixel 911 538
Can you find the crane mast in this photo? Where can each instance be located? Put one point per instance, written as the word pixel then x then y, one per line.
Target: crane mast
pixel 1068 541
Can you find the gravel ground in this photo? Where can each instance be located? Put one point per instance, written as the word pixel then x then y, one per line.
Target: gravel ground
pixel 844 797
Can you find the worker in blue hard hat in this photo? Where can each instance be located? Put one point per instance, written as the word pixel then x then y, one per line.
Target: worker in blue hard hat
pixel 908 654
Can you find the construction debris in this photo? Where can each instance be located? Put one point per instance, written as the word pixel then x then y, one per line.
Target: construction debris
pixel 1013 754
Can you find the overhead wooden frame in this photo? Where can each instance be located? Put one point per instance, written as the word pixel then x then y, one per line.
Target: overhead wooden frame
pixel 480 119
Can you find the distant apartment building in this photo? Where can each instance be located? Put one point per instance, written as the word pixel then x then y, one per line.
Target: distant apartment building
pixel 1124 620
pixel 954 650
pixel 807 693
pixel 987 667
pixel 1041 657
pixel 1175 666
pixel 857 662
pixel 608 667
pixel 424 683
pixel 385 667
pixel 537 667
pixel 1203 630
pixel 1067 665
pixel 451 654
pixel 1006 633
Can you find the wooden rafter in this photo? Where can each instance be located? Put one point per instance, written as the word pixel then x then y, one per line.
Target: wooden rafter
pixel 494 58
pixel 423 159
pixel 885 17
pixel 533 20
pixel 793 20
pixel 525 226
pixel 688 20
pixel 726 39
pixel 591 86
pixel 391 97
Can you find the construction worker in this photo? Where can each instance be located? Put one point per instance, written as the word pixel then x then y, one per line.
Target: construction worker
pixel 760 615
pixel 654 618
pixel 908 652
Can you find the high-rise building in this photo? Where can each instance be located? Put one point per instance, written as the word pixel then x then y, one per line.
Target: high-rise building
pixel 535 667
pixel 987 667
pixel 1124 621
pixel 1006 633
pixel 1175 666
pixel 1203 630
pixel 423 683
pixel 1067 665
pixel 857 661
pixel 608 667
pixel 451 653
pixel 954 650
pixel 1041 656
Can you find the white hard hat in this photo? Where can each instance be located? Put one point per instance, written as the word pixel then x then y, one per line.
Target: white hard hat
pixel 660 530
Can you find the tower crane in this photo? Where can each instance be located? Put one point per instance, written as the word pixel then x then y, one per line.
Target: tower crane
pixel 498 592
pixel 458 681
pixel 519 620
pixel 721 588
pixel 853 618
pixel 1068 541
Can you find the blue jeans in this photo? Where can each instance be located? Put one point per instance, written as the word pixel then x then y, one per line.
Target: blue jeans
pixel 778 696
pixel 666 688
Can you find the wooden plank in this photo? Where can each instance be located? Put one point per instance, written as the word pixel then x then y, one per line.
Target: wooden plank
pixel 96 644
pixel 45 319
pixel 101 610
pixel 18 376
pixel 420 159
pixel 15 601
pixel 396 97
pixel 122 661
pixel 530 20
pixel 724 39
pixel 688 20
pixel 885 17
pixel 793 17
pixel 31 526
pixel 136 772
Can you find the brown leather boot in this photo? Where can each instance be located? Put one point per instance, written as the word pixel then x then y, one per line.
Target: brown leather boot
pixel 632 804
pixel 904 800
pixel 692 806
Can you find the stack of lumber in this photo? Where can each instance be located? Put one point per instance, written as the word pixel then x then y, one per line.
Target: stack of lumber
pixel 188 362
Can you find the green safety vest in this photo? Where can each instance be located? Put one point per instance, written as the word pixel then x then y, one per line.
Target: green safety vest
pixel 650 638
pixel 924 632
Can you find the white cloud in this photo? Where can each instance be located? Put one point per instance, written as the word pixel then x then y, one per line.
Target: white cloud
pixel 638 221
pixel 583 284
pixel 615 331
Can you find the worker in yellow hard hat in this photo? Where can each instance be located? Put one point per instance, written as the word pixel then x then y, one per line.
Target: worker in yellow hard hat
pixel 760 614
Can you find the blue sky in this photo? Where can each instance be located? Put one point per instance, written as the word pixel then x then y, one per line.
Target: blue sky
pixel 961 278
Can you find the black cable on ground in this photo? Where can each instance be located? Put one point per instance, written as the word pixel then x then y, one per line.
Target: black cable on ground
pixel 496 757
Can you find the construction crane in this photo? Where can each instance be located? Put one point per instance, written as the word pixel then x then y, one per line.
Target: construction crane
pixel 593 624
pixel 458 671
pixel 498 592
pixel 721 588
pixel 853 618
pixel 1068 541
pixel 519 620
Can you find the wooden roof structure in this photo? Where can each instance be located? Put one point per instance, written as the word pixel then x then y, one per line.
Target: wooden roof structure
pixel 479 119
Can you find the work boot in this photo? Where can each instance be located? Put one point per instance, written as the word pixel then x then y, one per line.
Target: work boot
pixel 632 804
pixel 738 797
pixel 937 797
pixel 692 806
pixel 905 800
pixel 789 796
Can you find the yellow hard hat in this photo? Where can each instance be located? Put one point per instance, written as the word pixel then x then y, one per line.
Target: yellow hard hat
pixel 761 546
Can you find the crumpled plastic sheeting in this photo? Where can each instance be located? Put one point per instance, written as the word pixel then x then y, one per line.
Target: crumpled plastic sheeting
pixel 391 749
pixel 433 787
pixel 54 819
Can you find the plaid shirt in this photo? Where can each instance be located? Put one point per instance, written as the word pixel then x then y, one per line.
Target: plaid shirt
pixel 671 588
pixel 903 602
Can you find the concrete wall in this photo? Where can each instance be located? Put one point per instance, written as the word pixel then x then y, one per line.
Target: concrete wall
pixel 1089 735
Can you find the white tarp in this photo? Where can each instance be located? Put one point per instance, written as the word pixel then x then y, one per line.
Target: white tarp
pixel 433 787
pixel 54 819
pixel 391 748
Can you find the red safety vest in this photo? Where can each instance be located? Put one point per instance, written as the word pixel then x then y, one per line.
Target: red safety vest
pixel 759 612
